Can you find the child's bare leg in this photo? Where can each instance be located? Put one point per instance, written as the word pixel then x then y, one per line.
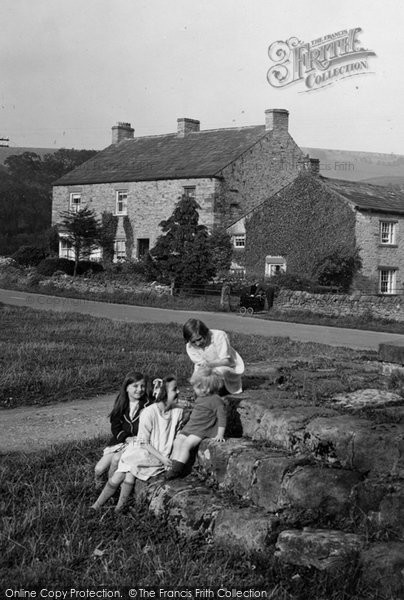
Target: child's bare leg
pixel 114 463
pixel 126 489
pixel 189 442
pixel 103 464
pixel 182 454
pixel 109 489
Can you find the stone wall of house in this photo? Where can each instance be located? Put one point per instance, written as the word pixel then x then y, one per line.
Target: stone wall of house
pixel 336 305
pixel 374 254
pixel 258 173
pixel 149 202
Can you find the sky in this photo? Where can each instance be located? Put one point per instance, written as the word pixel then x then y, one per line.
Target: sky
pixel 71 69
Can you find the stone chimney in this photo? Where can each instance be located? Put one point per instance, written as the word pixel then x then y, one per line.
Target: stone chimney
pixel 122 131
pixel 314 166
pixel 277 119
pixel 185 126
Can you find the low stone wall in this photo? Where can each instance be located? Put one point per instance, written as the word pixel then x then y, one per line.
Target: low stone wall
pixel 341 305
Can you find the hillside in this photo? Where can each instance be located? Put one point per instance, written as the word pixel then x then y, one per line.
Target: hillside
pixel 6 151
pixel 372 167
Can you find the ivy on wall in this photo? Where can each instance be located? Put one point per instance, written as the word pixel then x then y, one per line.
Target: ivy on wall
pixel 304 222
pixel 109 224
pixel 128 229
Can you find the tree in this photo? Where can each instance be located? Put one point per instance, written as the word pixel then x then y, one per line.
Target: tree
pixel 339 268
pixel 26 194
pixel 221 250
pixel 82 230
pixel 182 253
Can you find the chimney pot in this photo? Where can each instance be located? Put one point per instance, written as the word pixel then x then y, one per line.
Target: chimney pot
pixel 122 131
pixel 277 119
pixel 185 126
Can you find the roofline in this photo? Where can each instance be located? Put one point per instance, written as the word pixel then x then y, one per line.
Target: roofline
pixel 394 211
pixel 246 149
pixel 132 180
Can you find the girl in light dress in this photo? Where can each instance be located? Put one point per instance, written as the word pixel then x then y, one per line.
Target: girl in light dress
pixel 211 348
pixel 134 395
pixel 149 454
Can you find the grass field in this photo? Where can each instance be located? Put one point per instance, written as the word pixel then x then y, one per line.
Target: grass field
pixel 48 357
pixel 49 536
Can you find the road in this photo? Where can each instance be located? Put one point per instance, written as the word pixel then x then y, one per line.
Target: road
pixel 333 336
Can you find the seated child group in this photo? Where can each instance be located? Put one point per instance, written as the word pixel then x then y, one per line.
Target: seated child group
pixel 151 435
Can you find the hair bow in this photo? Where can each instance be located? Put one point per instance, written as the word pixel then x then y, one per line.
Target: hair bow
pixel 157 385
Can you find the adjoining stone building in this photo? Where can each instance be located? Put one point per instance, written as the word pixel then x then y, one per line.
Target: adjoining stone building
pixel 140 179
pixel 313 216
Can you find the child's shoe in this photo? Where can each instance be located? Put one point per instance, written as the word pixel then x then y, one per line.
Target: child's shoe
pixel 176 470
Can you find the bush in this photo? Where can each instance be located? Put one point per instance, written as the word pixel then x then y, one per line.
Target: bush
pixel 85 266
pixel 339 269
pixel 294 282
pixel 48 266
pixel 29 256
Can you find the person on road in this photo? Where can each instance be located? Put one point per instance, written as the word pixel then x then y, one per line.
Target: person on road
pixel 211 348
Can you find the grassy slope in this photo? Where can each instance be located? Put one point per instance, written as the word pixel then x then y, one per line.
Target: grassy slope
pixel 50 538
pixel 47 357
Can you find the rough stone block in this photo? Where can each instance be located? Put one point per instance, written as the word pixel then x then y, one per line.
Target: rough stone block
pixel 392 352
pixel 371 398
pixel 357 444
pixel 214 457
pixel 317 489
pixel 249 528
pixel 276 417
pixel 383 568
pixel 323 549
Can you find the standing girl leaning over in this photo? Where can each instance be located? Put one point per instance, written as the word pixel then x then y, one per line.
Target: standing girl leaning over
pixel 134 395
pixel 149 454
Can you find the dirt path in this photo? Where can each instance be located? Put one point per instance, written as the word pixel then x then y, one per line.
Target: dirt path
pixel 34 428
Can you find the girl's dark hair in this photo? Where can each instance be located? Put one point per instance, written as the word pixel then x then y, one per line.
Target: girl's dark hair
pixel 195 327
pixel 122 400
pixel 162 393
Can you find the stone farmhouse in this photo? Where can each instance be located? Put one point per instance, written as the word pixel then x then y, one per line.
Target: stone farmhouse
pixel 140 179
pixel 313 216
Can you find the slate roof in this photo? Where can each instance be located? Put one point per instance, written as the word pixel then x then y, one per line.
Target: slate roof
pixel 367 196
pixel 198 154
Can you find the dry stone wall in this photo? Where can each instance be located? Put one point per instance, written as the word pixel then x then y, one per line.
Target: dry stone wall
pixel 341 305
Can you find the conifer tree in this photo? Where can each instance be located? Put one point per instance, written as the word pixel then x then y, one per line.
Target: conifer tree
pixel 182 253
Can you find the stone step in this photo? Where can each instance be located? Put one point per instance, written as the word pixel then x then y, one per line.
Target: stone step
pixel 381 564
pixel 277 480
pixel 347 440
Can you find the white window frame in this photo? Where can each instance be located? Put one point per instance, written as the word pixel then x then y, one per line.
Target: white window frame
pixel 239 240
pixel 274 265
pixel 119 250
pixel 75 206
pixel 388 233
pixel 121 197
pixel 189 191
pixel 66 249
pixel 387 281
